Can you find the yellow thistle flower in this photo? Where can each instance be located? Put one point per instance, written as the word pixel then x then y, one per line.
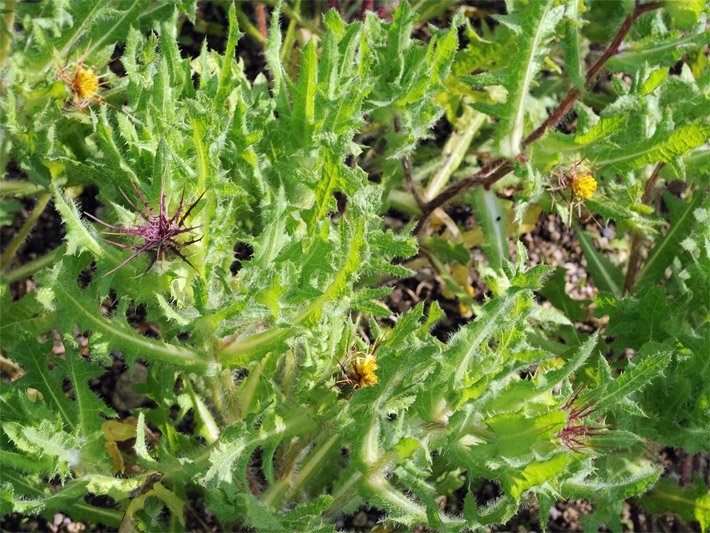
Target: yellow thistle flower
pixel 364 371
pixel 584 187
pixel 86 83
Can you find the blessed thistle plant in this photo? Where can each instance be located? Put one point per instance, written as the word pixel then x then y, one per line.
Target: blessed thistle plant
pixel 241 412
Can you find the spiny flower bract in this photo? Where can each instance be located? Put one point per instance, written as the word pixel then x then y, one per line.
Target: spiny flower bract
pixel 159 232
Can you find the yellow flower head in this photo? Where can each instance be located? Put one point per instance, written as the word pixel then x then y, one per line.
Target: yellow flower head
pixel 364 371
pixel 86 83
pixel 584 187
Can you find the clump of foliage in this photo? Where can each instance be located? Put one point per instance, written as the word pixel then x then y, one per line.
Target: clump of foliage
pixel 281 392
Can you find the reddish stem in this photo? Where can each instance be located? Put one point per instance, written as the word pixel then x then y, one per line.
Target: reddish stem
pixel 261 19
pixel 575 93
pixel 367 5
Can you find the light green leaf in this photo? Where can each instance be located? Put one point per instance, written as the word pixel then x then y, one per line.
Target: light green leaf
pixel 79 236
pixel 654 80
pixel 140 446
pixel 657 52
pixel 684 13
pixel 492 217
pixel 535 474
pixel 663 147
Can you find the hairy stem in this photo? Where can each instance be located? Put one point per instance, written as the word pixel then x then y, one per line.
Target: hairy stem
pixel 239 351
pixel 454 151
pixel 19 188
pixel 637 238
pixel 288 487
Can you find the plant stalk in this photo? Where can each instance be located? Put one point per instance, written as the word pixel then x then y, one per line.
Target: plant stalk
pixel 294 15
pixel 454 152
pixel 24 231
pixel 19 188
pixel 290 36
pixel 249 28
pixel 28 269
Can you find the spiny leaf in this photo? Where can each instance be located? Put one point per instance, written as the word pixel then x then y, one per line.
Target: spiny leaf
pixel 79 235
pixel 653 360
pixel 663 147
pixel 537 22
pixel 654 51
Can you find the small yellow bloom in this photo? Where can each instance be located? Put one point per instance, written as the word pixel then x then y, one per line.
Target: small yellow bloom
pixel 86 83
pixel 465 310
pixel 364 371
pixel 584 187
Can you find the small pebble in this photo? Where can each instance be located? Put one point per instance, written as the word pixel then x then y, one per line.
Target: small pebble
pixel 360 519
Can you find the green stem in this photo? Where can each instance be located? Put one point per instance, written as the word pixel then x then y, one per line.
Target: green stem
pixel 311 466
pixel 293 15
pixel 403 201
pixel 15 243
pixel 454 151
pixel 226 70
pixel 290 34
pixel 248 390
pixel 290 369
pixel 28 269
pixel 19 188
pixel 251 30
pixel 240 351
pixel 345 492
pixel 637 238
pixel 287 488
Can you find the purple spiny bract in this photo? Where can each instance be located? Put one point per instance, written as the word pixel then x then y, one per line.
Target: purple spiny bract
pixel 575 429
pixel 159 231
